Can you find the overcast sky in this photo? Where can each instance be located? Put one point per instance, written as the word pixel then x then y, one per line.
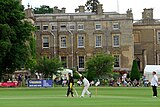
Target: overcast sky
pixel 108 5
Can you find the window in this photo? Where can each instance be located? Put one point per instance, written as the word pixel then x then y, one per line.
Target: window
pixel 54 27
pixel 37 27
pixel 98 27
pixel 45 27
pixel 117 61
pixel 158 37
pixel 80 41
pixel 63 42
pixel 115 26
pixel 80 27
pixel 98 40
pixel 64 61
pixel 81 61
pixel 71 27
pixel 63 27
pixel 45 42
pixel 116 41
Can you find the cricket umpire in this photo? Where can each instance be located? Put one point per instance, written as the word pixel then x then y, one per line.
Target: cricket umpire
pixel 70 85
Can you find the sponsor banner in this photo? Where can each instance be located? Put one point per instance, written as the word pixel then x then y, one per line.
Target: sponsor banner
pixel 40 83
pixel 47 83
pixel 8 84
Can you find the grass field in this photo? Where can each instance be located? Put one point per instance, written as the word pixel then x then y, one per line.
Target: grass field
pixel 55 97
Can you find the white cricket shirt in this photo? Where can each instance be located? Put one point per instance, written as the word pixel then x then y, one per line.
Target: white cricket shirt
pixel 85 82
pixel 154 81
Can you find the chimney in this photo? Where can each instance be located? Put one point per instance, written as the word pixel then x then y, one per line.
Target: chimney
pixel 29 12
pixel 55 9
pixel 129 13
pixel 99 9
pixel 147 13
pixel 63 10
pixel 81 9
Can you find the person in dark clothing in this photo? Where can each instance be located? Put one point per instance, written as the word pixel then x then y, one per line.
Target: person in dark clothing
pixel 70 85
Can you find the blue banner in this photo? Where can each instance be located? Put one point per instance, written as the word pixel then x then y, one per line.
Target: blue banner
pixel 47 83
pixel 40 83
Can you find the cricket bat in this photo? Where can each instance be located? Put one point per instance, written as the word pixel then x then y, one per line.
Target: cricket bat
pixel 78 73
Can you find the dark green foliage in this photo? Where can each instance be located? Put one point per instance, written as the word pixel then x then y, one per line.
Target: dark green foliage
pixel 48 66
pixel 91 76
pixel 92 5
pixel 135 74
pixel 15 34
pixel 43 9
pixel 99 65
pixel 31 62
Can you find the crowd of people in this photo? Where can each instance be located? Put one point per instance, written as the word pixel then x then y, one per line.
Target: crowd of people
pixel 122 81
pixel 68 80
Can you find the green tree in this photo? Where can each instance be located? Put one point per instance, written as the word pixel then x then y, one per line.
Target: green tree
pixel 92 5
pixel 99 65
pixel 43 9
pixel 15 34
pixel 135 74
pixel 48 66
pixel 31 62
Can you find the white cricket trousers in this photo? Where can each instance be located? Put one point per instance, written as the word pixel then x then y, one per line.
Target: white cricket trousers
pixel 85 90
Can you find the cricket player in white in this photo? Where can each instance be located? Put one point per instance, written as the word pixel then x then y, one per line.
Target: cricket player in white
pixel 86 86
pixel 154 83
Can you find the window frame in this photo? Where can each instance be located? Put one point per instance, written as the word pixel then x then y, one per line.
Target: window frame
pixel 63 28
pixel 72 25
pixel 44 41
pixel 80 25
pixel 61 41
pixel 55 27
pixel 116 26
pixel 45 26
pixel 65 61
pixel 119 60
pixel 82 41
pixel 81 64
pixel 99 27
pixel 113 40
pixel 97 46
pixel 39 27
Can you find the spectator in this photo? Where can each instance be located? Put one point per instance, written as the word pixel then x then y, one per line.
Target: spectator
pixel 20 80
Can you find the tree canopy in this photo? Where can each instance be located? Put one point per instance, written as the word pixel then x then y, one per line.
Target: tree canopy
pixel 48 66
pixel 92 5
pixel 43 9
pixel 15 35
pixel 99 65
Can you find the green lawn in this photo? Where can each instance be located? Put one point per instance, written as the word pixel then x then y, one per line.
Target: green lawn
pixel 55 97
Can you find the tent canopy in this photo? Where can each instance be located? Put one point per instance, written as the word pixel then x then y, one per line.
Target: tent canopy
pixel 149 69
pixel 65 71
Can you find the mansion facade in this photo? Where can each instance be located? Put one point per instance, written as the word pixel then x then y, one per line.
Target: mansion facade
pixel 147 40
pixel 76 37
